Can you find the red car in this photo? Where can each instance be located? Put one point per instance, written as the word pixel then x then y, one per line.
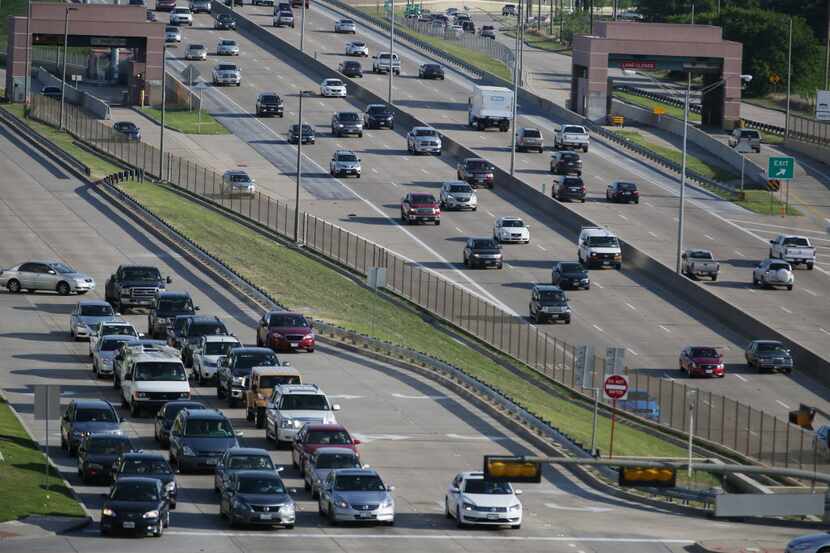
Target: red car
pixel 285 331
pixel 476 172
pixel 420 207
pixel 702 361
pixel 314 436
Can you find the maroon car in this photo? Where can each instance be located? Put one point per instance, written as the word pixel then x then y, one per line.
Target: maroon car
pixel 702 361
pixel 476 172
pixel 417 207
pixel 285 331
pixel 314 436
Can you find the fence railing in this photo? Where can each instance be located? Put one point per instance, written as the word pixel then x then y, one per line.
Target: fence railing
pixel 746 429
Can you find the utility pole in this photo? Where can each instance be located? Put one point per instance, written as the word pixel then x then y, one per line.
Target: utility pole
pixel 28 78
pixel 391 49
pixel 789 81
pixel 162 174
pixel 516 59
pixel 302 27
pixel 683 174
pixel 591 7
pixel 65 45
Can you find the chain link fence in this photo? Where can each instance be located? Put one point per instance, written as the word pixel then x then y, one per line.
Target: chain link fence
pixel 718 419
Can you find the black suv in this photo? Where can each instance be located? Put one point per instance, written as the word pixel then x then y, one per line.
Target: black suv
pixel 147 465
pixel 236 367
pixel 167 414
pixel 431 71
pixel 769 356
pixel 549 303
pixel 194 329
pixel 346 123
pixel 565 163
pixel 268 103
pixel 377 116
pixel 84 417
pixel 294 134
pixel 175 330
pixel 482 252
pixel 568 188
pixel 351 68
pixel 570 274
pixel 97 453
pixel 199 439
pixel 164 311
pixel 225 22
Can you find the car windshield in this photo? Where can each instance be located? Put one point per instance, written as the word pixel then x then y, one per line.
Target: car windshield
pixel 160 372
pixel 700 255
pixel 530 133
pixel 122 330
pixel 213 428
pixel 705 352
pixel 796 241
pixel 269 99
pixel 328 437
pixel 573 130
pixel 304 402
pixel 113 344
pixel 772 346
pixel 126 126
pixel 141 273
pixel 351 65
pixel 255 359
pixel 487 487
pixel 359 483
pixel 220 348
pixel 426 132
pixel 226 67
pixel 96 310
pixel 779 266
pixel 145 466
pixel 336 461
pixel 95 415
pixel 62 268
pixel 228 42
pixel 171 29
pixel 513 223
pixel 571 181
pixel 479 165
pixel 569 156
pixel 571 268
pixel 348 116
pixel 174 305
pixel 423 199
pixel 485 244
pixel 638 395
pixel 432 67
pixel 108 445
pixel 171 411
pixel 225 17
pixel 334 82
pixel 603 241
pixel 283 320
pixel 135 491
pixel 358 44
pixel 196 47
pixel 207 329
pixel 250 462
pixel 261 486
pixel 626 186
pixel 464 188
pixel 749 134
pixel 377 110
pixel 346 157
pixel 240 178
pixel 181 10
pixel 274 380
pixel 552 296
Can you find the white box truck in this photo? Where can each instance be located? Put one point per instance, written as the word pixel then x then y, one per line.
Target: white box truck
pixel 490 106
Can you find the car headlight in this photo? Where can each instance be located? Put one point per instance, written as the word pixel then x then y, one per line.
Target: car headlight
pixel 187 450
pixel 237 380
pixel 140 395
pixel 80 281
pixel 476 255
pixel 516 507
pixel 342 503
pixel 151 514
pixel 308 336
pixel 340 124
pixel 107 512
pixel 287 423
pixel 287 509
pixel 468 506
pixel 388 502
pixel 170 486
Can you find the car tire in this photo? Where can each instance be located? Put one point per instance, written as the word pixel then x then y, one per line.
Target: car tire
pixel 790 287
pixel 714 278
pixel 220 393
pixel 809 266
pixel 135 411
pixel 438 222
pixel 332 519
pixel 515 526
pixel 13 286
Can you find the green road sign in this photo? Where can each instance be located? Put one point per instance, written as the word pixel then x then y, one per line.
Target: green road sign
pixel 781 168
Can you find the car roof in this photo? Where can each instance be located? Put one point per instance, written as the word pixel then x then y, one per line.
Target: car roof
pixel 344 152
pixel 331 450
pixel 272 371
pixel 299 389
pixel 204 414
pixel 247 451
pixel 768 342
pixel 119 338
pixel 257 474
pixel 171 294
pixel 321 426
pixel 143 455
pixel 220 338
pixel 423 128
pixel 142 479
pixel 547 288
pixel 185 316
pixel 186 403
pixel 90 403
pixel 280 311
pixel 356 472
pixel 510 218
pixel 93 302
pixel 472 475
pixel 251 349
pixel 205 318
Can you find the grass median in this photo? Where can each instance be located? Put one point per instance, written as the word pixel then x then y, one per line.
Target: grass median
pixel 22 475
pixel 186 121
pixel 299 282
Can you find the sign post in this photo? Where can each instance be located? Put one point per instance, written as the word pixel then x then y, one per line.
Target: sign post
pixel 47 406
pixel 614 387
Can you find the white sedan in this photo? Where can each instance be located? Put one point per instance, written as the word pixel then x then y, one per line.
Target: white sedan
pixel 511 229
pixel 471 499
pixel 357 49
pixel 333 88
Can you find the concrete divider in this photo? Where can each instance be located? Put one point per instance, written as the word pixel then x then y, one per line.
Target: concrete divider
pixel 647 271
pixel 72 95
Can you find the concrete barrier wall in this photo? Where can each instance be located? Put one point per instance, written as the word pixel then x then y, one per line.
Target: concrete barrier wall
pixel 642 268
pixel 815 151
pixel 178 93
pixel 91 104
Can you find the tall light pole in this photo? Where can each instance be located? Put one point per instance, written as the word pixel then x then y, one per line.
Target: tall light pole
pixel 789 80
pixel 683 174
pixel 516 59
pixel 28 77
pixel 65 45
pixel 391 47
pixel 302 27
pixel 299 167
pixel 164 106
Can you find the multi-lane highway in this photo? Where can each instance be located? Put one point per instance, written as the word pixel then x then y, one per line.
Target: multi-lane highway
pixel 415 432
pixel 617 311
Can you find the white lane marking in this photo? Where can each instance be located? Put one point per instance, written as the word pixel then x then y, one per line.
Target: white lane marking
pixel 459 230
pixel 424 171
pixel 709 237
pixel 667 376
pixel 490 213
pixel 541 247
pixel 581 509
pixel 782 404
pixel 622 216
pixel 631 306
pixel 800 230
pixel 445 116
pixel 598 285
pixel 809 291
pixel 405 158
pixel 395 184
pixel 739 253
pixel 664 328
pixel 632 352
pixel 339 146
pixel 345 396
pixel 366 438
pixel 418 396
pixel 742 379
pixel 652 234
pixel 475 438
pixel 374 170
pixel 785 310
pixel 598 328
pixel 825 331
pixel 649 204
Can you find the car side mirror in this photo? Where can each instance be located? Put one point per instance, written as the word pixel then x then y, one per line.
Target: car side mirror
pixel 239 433
pixel 286 363
pixel 390 488
pixel 263 323
pixel 168 280
pixel 356 442
pixel 517 492
pixel 772 241
pixel 141 335
pixel 196 308
pixel 335 407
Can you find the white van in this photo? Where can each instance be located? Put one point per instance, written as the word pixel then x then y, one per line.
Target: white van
pixel 151 379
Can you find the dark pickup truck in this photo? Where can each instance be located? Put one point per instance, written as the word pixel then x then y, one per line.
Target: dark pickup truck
pixel 163 313
pixel 134 286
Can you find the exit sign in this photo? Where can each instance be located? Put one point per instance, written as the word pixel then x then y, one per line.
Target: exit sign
pixel 781 168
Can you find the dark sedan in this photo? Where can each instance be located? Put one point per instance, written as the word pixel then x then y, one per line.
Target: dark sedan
pixel 256 498
pixel 238 459
pixel 570 274
pixel 147 465
pixel 97 453
pixel 167 414
pixel 769 356
pixel 51 92
pixel 377 116
pixel 225 22
pixel 620 191
pixel 569 188
pixel 136 505
pixel 128 129
pixel 294 134
pixel 431 71
pixel 351 68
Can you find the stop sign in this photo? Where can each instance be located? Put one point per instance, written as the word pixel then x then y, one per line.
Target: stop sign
pixel 615 386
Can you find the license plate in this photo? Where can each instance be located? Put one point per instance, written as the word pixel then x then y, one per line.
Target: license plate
pixel 213 460
pixel 295 344
pixel 366 515
pixel 492 517
pixel 626 193
pixel 708 371
pixel 129 525
pixel 265 516
pixel 606 262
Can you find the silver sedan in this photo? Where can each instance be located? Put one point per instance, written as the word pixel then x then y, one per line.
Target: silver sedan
pixel 356 495
pixel 227 47
pixel 87 315
pixel 53 276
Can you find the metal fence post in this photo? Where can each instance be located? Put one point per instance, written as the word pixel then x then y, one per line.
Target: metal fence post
pixel 709 419
pixel 723 420
pixel 761 439
pixel 737 412
pixel 774 436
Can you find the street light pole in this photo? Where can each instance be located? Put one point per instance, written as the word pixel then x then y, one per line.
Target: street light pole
pixel 163 107
pixel 299 169
pixel 789 80
pixel 65 45
pixel 391 48
pixel 683 174
pixel 516 58
pixel 28 78
pixel 302 27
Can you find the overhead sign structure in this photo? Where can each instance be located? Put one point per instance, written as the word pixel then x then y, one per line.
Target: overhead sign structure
pixel 503 468
pixel 781 168
pixel 615 387
pixel 823 105
pixel 584 364
pixel 614 360
pixel 643 477
pixel 641 65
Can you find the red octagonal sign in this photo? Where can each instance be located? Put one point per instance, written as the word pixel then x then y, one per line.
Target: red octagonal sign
pixel 615 386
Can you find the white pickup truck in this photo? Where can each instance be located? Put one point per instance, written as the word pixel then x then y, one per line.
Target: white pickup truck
pixel 695 263
pixel 793 249
pixel 571 137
